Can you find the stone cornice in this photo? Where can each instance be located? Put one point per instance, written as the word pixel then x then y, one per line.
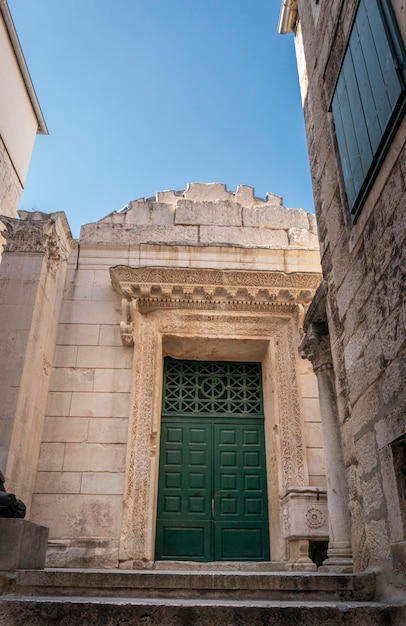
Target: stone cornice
pixel 154 287
pixel 147 289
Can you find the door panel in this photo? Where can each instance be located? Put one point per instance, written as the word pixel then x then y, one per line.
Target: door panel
pixel 240 502
pixel 184 500
pixel 189 541
pixel 234 542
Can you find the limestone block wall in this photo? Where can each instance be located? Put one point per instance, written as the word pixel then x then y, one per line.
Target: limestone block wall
pixel 84 456
pixel 362 263
pixel 79 484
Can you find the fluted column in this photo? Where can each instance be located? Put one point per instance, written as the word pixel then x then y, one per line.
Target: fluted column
pixel 316 348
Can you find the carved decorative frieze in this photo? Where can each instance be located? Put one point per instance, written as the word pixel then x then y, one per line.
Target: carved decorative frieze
pixel 154 288
pixel 293 467
pixel 137 522
pixel 179 287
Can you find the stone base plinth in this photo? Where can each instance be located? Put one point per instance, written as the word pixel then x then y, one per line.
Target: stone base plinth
pixel 89 552
pixel 23 545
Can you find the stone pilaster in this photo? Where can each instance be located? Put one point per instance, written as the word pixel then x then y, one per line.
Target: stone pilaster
pixel 32 275
pixel 137 539
pixel 316 348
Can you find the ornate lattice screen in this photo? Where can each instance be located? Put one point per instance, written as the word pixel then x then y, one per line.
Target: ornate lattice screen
pixel 193 388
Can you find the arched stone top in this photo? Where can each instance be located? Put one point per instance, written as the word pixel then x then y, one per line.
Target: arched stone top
pixel 207 215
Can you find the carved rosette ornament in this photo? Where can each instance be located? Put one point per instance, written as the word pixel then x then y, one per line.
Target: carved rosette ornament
pixel 315 517
pixel 316 347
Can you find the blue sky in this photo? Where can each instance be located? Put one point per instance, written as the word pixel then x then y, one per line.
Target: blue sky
pixel 145 95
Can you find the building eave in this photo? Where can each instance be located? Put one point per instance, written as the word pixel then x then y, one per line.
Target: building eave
pixel 19 55
pixel 288 17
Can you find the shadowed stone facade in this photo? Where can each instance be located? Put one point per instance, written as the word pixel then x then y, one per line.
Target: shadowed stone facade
pixel 358 314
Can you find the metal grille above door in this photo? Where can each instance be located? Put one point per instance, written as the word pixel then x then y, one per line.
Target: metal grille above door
pixel 219 388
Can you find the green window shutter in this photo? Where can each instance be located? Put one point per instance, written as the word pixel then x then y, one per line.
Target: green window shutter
pixel 391 77
pixel 368 98
pixel 361 148
pixel 369 76
pixel 341 111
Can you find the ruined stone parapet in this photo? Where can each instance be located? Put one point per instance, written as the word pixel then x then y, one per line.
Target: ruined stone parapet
pixel 207 215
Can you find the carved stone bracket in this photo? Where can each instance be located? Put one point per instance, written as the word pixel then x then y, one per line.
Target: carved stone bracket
pixel 127 324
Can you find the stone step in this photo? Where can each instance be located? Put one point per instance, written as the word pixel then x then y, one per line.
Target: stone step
pixel 247 585
pixel 83 611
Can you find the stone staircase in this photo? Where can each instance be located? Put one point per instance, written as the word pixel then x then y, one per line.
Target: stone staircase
pixel 192 598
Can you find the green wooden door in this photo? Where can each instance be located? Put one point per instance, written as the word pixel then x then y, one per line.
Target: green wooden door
pixel 212 495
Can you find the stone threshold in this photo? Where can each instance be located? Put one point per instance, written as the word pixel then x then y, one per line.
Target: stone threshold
pixel 223 566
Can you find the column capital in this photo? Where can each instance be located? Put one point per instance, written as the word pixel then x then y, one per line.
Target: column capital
pixel 316 346
pixel 38 233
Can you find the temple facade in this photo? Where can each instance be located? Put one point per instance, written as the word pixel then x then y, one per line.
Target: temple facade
pixel 155 406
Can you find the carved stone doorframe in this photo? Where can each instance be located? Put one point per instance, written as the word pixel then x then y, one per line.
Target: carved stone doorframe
pixel 162 320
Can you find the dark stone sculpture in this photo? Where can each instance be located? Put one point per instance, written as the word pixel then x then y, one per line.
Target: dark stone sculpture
pixel 10 506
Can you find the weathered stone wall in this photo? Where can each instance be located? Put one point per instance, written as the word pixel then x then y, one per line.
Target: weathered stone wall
pixel 207 215
pixel 364 267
